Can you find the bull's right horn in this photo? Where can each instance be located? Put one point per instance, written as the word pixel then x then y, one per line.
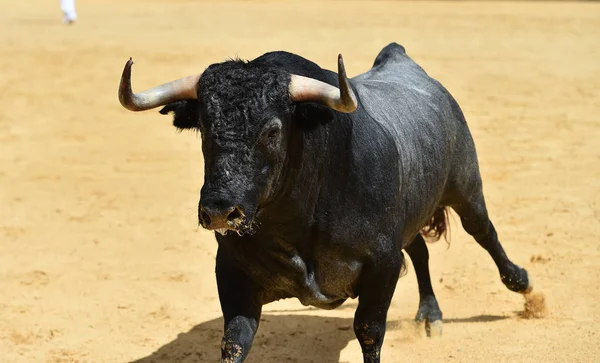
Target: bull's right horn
pixel 181 89
pixel 340 99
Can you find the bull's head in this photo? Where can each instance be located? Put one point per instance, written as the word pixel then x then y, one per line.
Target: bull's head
pixel 243 111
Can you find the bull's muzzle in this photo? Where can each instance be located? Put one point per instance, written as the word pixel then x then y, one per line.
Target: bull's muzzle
pixel 219 218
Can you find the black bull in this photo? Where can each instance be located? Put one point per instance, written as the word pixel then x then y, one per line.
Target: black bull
pixel 315 200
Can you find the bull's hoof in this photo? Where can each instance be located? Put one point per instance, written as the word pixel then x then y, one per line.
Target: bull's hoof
pixel 517 280
pixel 529 288
pixel 434 328
pixel 429 312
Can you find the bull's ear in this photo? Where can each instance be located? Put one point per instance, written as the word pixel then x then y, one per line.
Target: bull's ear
pixel 310 115
pixel 186 113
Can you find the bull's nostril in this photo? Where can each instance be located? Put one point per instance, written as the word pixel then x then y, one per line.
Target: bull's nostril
pixel 234 215
pixel 205 219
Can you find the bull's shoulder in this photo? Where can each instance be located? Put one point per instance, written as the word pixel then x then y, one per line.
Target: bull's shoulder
pixel 401 97
pixel 396 76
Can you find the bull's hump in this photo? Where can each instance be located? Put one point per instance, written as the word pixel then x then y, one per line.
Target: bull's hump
pixel 393 52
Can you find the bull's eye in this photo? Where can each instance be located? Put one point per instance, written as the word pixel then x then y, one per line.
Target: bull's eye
pixel 273 133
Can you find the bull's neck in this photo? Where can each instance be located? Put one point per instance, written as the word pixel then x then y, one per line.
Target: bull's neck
pixel 311 155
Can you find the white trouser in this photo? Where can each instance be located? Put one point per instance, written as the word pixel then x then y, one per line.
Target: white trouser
pixel 68 8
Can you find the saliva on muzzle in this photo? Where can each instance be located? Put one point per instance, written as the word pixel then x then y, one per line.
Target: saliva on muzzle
pixel 220 215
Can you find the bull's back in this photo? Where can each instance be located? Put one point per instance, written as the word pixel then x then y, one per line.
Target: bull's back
pixel 422 119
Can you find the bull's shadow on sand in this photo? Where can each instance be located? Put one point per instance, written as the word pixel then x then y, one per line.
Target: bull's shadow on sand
pixel 282 337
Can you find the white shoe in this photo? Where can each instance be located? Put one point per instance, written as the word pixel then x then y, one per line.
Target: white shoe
pixel 68 20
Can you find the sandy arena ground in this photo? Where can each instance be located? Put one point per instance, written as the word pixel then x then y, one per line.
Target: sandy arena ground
pixel 100 259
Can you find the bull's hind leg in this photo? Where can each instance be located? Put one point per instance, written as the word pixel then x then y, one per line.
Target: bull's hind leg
pixel 469 203
pixel 429 311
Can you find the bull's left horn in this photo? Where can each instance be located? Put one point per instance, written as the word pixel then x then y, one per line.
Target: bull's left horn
pixel 340 99
pixel 180 89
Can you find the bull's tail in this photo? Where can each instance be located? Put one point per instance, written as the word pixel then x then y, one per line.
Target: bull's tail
pixel 437 226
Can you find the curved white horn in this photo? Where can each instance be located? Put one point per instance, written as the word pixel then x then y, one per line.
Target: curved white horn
pixel 340 99
pixel 180 89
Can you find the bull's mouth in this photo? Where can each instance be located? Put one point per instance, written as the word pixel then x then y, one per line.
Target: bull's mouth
pixel 242 225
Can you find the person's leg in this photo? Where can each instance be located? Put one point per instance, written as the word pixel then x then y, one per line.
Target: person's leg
pixel 68 9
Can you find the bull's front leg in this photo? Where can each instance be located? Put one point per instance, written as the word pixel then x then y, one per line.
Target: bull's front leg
pixel 241 306
pixel 375 290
